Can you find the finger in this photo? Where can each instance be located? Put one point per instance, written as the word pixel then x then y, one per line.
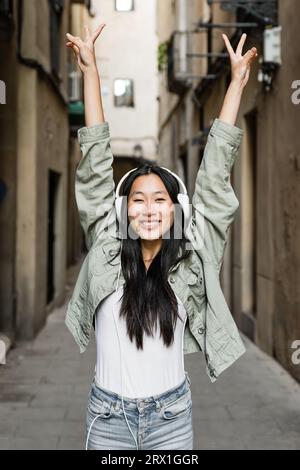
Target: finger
pixel 250 55
pixel 74 48
pixel 239 49
pixel 228 46
pixel 97 32
pixel 75 39
pixel 70 45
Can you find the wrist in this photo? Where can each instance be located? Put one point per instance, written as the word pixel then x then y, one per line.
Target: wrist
pixel 236 84
pixel 90 70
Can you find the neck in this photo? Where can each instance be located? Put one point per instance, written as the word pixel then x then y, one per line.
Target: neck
pixel 150 248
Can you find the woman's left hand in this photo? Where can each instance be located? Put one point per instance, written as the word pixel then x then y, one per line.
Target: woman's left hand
pixel 240 64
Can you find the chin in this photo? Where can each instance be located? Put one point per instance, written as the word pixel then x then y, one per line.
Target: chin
pixel 150 236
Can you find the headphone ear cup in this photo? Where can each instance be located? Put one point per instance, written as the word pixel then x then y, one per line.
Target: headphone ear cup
pixel 118 206
pixel 184 201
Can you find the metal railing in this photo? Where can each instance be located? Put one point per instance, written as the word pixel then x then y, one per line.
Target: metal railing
pixel 264 11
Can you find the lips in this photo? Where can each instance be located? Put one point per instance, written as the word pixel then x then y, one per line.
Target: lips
pixel 149 224
pixel 150 221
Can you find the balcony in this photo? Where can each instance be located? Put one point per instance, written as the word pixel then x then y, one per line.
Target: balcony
pixel 265 12
pixel 256 17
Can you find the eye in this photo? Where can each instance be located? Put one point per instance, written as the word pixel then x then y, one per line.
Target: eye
pixel 138 200
pixel 160 199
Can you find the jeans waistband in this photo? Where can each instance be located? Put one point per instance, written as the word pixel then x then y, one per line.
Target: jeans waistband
pixel 165 396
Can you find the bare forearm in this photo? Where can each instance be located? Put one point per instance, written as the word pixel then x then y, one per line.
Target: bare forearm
pixel 92 97
pixel 231 103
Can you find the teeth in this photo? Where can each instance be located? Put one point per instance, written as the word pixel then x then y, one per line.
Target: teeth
pixel 150 223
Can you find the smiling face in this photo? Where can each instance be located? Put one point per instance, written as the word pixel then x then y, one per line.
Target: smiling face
pixel 150 208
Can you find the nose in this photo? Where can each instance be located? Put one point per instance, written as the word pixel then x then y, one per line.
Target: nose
pixel 151 212
pixel 149 208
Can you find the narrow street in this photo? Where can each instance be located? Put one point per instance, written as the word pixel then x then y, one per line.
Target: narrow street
pixel 44 386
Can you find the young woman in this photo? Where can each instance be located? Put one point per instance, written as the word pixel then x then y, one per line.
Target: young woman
pixel 150 281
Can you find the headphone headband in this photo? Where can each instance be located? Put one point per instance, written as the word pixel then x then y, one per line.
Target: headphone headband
pixel 181 183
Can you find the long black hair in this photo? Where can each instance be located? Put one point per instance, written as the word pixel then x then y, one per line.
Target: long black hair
pixel 147 297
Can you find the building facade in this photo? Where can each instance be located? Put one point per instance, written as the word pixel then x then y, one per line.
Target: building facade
pixel 37 161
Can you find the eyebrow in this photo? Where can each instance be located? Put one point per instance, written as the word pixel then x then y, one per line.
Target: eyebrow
pixel 154 192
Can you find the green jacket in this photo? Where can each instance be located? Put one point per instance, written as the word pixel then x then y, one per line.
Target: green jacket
pixel 210 327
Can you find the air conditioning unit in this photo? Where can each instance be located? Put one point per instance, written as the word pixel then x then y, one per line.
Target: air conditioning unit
pixel 75 86
pixel 175 67
pixel 271 59
pixel 272 45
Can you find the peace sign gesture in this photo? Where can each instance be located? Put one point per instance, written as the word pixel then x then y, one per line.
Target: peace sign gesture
pixel 240 64
pixel 84 50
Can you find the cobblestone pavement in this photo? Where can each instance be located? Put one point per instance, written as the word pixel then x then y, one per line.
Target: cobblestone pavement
pixel 255 404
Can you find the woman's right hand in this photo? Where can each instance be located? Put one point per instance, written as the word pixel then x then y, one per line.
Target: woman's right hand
pixel 84 50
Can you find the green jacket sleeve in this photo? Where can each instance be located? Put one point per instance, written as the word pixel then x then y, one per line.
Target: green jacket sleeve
pixel 214 202
pixel 94 183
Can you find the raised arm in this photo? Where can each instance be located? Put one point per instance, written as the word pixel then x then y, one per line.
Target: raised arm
pixel 240 71
pixel 214 203
pixel 84 51
pixel 94 184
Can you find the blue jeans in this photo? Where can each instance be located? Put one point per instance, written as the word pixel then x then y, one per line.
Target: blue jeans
pixel 158 422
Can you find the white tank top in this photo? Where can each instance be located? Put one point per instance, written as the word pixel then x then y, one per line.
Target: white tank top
pixel 147 372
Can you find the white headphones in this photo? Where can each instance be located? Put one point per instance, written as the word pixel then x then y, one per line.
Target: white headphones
pixel 182 197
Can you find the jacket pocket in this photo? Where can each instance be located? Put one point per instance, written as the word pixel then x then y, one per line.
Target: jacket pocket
pixel 216 332
pixel 195 279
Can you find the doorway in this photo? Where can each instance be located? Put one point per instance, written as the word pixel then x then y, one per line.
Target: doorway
pixel 53 181
pixel 249 227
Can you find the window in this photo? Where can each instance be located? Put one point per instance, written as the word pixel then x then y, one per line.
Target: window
pixel 2 92
pixel 6 19
pixel 56 8
pixel 124 5
pixel 6 7
pixel 123 92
